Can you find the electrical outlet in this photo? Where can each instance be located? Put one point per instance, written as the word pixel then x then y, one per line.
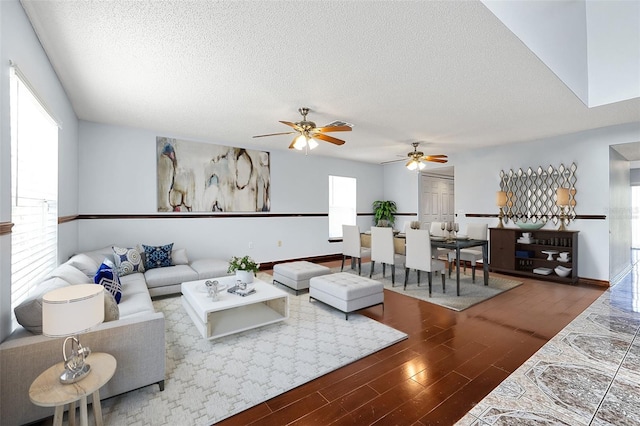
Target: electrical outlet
pixel 251 244
pixel 279 243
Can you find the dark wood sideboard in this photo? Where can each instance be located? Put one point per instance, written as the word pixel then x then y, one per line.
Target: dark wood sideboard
pixel 509 256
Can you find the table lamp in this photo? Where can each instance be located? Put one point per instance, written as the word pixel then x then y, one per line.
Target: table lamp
pixel 562 201
pixel 69 311
pixel 501 201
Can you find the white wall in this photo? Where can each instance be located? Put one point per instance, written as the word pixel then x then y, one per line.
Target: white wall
pixel 477 184
pixel 118 176
pixel 620 215
pixel 19 43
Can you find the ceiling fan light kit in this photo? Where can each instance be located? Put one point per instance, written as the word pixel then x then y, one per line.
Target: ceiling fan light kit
pixel 417 158
pixel 308 133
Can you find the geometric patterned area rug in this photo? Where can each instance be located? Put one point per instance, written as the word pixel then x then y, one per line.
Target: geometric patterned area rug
pixel 470 293
pixel 208 381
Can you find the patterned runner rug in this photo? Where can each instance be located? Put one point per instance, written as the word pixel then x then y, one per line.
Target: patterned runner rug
pixel 470 293
pixel 208 381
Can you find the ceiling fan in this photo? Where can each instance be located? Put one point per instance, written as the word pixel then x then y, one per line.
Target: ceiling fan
pixel 307 132
pixel 417 158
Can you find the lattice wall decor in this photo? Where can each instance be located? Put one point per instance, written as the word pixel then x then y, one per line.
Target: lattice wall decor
pixel 531 194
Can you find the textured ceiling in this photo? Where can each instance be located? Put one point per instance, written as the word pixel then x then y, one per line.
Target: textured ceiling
pixel 446 73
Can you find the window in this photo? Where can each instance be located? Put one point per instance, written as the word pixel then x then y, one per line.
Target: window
pixel 342 204
pixel 34 189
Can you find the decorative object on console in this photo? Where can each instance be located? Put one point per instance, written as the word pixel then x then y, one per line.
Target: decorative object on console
pixel 501 201
pixel 531 195
pixel 415 224
pixel 562 201
pixel 108 278
pixel 67 312
pixel 244 267
pixel 229 179
pixel 157 256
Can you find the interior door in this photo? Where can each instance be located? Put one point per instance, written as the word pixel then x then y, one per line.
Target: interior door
pixel 436 199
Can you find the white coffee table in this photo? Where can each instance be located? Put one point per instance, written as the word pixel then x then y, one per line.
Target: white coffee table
pixel 232 313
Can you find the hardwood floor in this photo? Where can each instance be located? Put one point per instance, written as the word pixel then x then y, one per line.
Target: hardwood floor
pixel 450 361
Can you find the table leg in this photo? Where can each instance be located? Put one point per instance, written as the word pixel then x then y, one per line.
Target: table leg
pixel 84 418
pixel 458 271
pixel 485 263
pixel 57 415
pixel 72 414
pixel 97 408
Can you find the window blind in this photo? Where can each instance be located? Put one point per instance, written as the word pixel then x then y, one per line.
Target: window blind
pixel 34 189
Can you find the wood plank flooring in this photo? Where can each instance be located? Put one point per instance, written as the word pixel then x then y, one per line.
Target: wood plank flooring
pixel 450 361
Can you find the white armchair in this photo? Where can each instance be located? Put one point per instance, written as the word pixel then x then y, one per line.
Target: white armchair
pixel 475 231
pixel 419 257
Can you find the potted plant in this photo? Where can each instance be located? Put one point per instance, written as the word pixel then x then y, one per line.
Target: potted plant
pixel 244 267
pixel 384 210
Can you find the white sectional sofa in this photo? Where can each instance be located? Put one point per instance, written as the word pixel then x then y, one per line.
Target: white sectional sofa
pixel 136 339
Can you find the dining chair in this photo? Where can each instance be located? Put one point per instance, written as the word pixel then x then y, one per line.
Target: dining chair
pixel 382 250
pixel 351 246
pixel 419 257
pixel 475 231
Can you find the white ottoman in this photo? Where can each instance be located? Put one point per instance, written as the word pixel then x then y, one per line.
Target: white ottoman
pixel 296 275
pixel 346 292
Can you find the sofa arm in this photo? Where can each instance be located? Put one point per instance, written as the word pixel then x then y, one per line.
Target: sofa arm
pixel 137 343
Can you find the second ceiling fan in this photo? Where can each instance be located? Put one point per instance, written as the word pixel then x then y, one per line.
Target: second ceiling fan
pixel 307 132
pixel 417 158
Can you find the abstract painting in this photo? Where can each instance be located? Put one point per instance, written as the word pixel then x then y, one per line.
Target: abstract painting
pixel 202 177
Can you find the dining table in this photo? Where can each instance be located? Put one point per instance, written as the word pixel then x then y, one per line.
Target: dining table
pixel 451 243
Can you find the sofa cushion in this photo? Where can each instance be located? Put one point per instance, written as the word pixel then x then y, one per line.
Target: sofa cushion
pixel 210 268
pixel 179 257
pixel 127 260
pixel 107 277
pixel 29 312
pixel 84 263
pixel 100 254
pixel 70 274
pixel 157 256
pixel 170 275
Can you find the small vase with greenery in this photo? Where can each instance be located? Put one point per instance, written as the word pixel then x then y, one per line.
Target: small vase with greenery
pixel 243 264
pixel 384 210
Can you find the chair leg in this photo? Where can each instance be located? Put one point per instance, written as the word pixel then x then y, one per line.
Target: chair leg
pixel 342 266
pixel 384 266
pixel 373 264
pixel 393 275
pixel 429 277
pixel 443 280
pixel 359 266
pixel 406 277
pixel 473 273
pixel 450 267
pixel 418 271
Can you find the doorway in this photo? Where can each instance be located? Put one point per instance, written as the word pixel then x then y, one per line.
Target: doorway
pixel 437 197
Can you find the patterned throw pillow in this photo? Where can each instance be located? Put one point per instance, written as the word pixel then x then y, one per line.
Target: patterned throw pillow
pixel 108 278
pixel 128 260
pixel 157 257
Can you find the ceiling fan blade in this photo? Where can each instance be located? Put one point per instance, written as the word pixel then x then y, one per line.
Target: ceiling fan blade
pixel 293 142
pixel 328 138
pixel 273 134
pixel 393 161
pixel 332 129
pixel 294 125
pixel 436 156
pixel 434 160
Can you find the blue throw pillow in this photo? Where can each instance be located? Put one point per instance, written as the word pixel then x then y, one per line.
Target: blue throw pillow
pixel 157 257
pixel 108 278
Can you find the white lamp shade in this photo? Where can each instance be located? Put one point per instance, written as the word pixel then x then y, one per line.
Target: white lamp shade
pixel 312 143
pixel 501 199
pixel 300 142
pixel 72 310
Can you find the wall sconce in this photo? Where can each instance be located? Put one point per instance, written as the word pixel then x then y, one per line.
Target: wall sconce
pixel 562 201
pixel 501 201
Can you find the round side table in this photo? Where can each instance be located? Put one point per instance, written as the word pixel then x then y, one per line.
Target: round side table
pixel 47 391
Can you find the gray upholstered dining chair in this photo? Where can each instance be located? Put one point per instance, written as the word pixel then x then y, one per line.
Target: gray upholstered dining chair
pixel 351 246
pixel 475 231
pixel 419 257
pixel 382 250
